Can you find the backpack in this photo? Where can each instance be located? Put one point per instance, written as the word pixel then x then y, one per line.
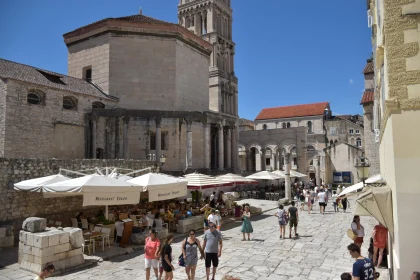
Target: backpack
pixel 181 260
pixel 285 216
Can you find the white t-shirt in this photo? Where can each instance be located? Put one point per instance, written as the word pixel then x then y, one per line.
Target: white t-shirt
pixel 360 232
pixel 213 219
pixel 119 226
pixel 321 197
pixel 211 197
pixel 316 188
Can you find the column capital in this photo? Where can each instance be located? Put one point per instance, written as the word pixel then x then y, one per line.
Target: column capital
pixel 126 119
pixel 158 121
pixel 188 121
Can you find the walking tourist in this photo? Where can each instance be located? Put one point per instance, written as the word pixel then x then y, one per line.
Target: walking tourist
pixel 358 229
pixel 212 246
pixel 189 250
pixel 346 276
pixel 322 201
pixel 338 189
pixel 246 223
pixel 212 218
pixel 47 271
pixel 151 257
pixel 344 203
pixel 380 238
pixel 415 276
pixel 166 256
pixel 207 211
pixel 282 216
pixel 335 201
pixel 219 220
pixel 294 218
pixel 363 268
pixel 308 200
pixel 313 195
pixel 302 199
pixel 213 200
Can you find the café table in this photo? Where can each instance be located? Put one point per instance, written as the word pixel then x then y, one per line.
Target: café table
pixel 94 235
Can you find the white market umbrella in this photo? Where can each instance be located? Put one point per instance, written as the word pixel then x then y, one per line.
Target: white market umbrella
pixel 377 202
pixel 236 179
pixel 295 174
pixel 161 186
pixel 197 181
pixel 96 190
pixel 264 175
pixel 120 176
pixel 356 187
pixel 35 185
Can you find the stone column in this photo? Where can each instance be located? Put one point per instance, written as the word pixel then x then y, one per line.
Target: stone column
pixel 247 160
pixel 94 120
pixel 158 138
pixel 263 164
pixel 197 24
pixel 209 21
pixel 288 188
pixel 235 156
pixel 275 161
pixel 207 146
pixel 125 137
pixel 229 147
pixel 221 148
pixel 189 143
pixel 317 170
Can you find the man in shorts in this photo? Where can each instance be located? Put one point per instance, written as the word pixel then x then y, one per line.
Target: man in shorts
pixel 293 219
pixel 322 201
pixel 211 248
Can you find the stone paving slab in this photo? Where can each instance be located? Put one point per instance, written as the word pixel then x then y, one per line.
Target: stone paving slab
pixel 319 252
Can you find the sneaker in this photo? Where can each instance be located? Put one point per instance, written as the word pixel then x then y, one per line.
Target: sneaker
pixel 280 236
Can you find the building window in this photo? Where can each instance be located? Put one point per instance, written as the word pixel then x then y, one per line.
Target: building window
pixel 295 161
pixel 288 125
pixel 351 131
pixel 34 98
pixel 357 131
pixel 283 125
pixel 69 103
pixel 333 130
pixel 309 127
pixel 264 126
pixel 163 140
pixel 87 73
pixel 359 142
pixel 97 104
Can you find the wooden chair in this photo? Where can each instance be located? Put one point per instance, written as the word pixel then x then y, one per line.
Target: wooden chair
pixel 97 228
pixel 107 232
pixel 85 224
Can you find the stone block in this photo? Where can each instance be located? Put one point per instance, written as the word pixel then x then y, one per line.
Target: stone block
pixel 75 252
pixel 28 258
pixel 41 241
pixel 22 236
pixel 34 224
pixel 62 248
pixel 60 265
pixel 137 238
pixel 75 237
pixel 64 237
pixel 27 249
pixel 53 240
pixel 29 239
pixel 74 261
pixel 283 201
pixel 44 252
pixel 2 232
pixel 7 241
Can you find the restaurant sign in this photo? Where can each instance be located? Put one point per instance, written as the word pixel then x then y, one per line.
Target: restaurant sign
pixel 168 193
pixel 103 198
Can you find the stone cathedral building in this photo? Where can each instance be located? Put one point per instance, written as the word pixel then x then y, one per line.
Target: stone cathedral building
pixel 137 88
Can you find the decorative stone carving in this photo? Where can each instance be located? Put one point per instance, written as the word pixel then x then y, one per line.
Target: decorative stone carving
pixel 34 224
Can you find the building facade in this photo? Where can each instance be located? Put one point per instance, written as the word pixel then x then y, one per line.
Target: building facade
pixel 396 63
pixel 133 82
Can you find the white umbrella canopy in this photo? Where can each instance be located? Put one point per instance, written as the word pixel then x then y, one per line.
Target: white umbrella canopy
pixel 235 178
pixel 354 188
pixel 264 175
pixel 280 173
pixel 96 190
pixel 161 186
pixel 35 185
pixel 295 174
pixel 198 181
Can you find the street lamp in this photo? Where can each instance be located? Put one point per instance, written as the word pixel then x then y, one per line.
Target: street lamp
pixel 363 168
pixel 162 159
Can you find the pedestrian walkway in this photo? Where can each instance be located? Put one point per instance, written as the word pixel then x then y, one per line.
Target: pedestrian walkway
pixel 318 253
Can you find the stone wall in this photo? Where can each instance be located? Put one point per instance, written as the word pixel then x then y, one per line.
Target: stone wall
pixel 342 129
pixel 15 206
pixel 317 123
pixel 371 147
pixel 3 89
pixel 42 131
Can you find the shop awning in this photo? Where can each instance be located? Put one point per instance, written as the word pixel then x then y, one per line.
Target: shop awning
pixel 356 187
pixel 197 181
pixel 377 202
pixel 236 179
pixel 264 175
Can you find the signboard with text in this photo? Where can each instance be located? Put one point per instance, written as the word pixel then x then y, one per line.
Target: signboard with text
pixel 103 198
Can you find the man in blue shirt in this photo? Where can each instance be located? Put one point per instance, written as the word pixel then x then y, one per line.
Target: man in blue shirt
pixel 363 268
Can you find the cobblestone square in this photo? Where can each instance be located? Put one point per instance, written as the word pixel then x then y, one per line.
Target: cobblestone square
pixel 318 253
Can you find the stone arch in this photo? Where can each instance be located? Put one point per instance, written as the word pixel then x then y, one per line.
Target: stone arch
pixel 254 144
pixel 270 142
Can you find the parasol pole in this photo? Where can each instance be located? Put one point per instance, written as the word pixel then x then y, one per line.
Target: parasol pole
pixel 106 211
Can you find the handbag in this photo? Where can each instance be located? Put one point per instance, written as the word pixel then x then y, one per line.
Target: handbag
pixel 351 234
pixel 181 260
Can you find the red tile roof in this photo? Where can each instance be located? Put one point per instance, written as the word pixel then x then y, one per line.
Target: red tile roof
pixel 302 110
pixel 368 68
pixel 368 96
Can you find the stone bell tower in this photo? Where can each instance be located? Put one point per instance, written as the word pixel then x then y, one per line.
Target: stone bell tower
pixel 212 20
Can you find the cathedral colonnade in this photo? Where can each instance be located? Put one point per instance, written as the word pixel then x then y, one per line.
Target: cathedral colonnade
pixel 217 140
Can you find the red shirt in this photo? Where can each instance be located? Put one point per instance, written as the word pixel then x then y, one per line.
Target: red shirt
pixel 150 248
pixel 381 236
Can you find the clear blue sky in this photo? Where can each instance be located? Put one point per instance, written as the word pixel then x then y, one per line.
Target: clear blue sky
pixel 287 51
